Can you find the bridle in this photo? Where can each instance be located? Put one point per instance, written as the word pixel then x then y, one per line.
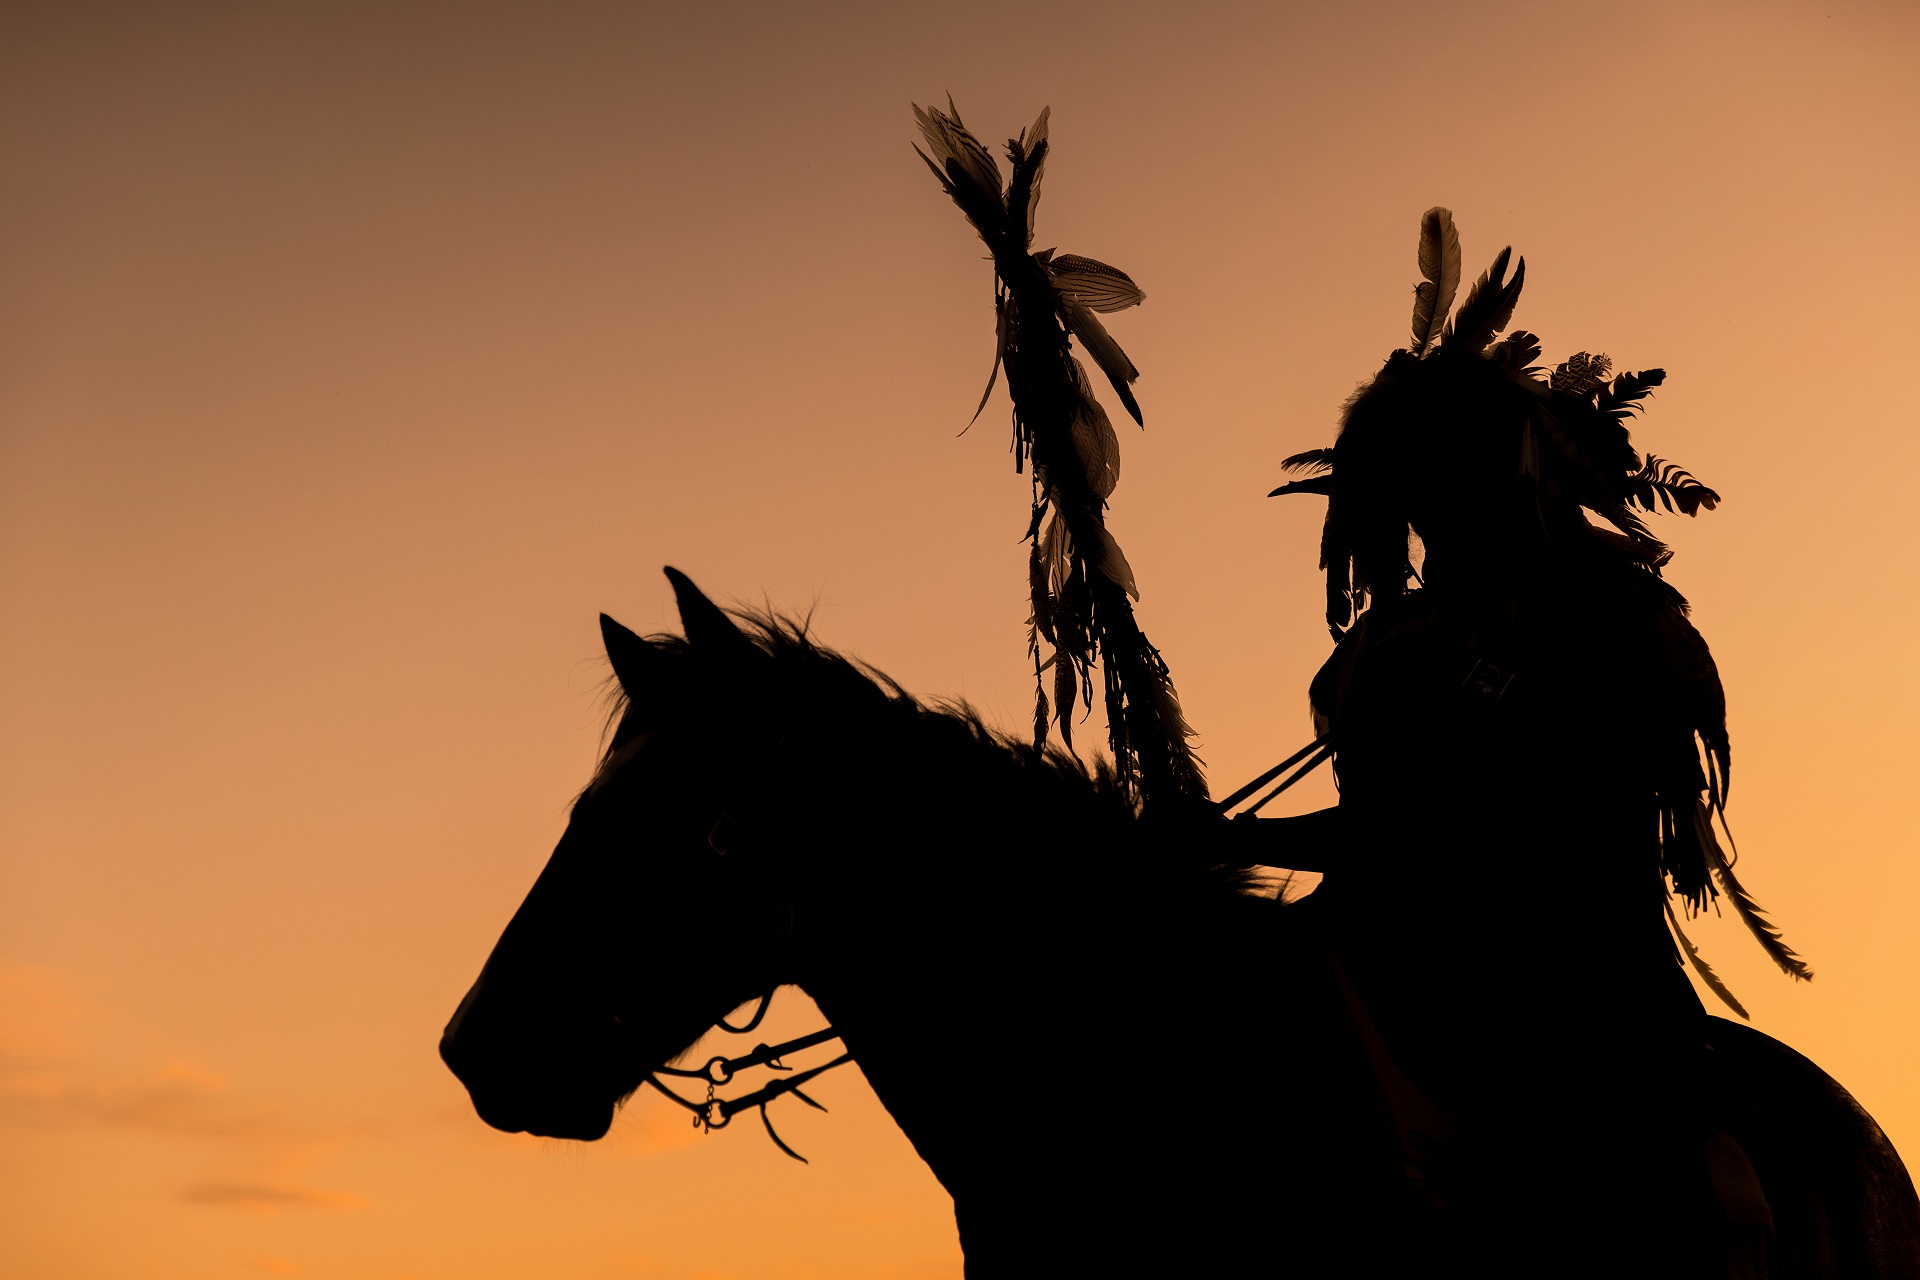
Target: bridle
pixel 715 1112
pixel 724 838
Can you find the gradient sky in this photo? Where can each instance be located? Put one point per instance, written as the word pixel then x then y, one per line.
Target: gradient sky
pixel 353 357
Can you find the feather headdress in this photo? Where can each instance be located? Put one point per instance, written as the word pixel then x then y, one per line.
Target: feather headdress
pixel 1081 585
pixel 1494 465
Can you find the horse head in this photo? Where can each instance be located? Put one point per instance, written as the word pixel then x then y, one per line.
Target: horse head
pixel 650 921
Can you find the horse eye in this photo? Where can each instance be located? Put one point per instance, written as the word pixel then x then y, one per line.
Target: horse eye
pixel 720 839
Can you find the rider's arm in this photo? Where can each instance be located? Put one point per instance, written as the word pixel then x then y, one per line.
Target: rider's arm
pixel 1308 842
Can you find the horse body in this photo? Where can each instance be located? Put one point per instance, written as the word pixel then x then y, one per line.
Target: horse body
pixel 1113 1056
pixel 1114 1075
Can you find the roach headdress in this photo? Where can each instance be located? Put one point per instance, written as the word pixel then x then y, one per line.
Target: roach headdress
pixel 1495 465
pixel 1492 462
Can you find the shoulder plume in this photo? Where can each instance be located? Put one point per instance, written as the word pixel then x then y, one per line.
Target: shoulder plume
pixel 1440 277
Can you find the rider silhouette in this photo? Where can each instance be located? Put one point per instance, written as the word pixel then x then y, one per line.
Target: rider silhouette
pixel 1531 746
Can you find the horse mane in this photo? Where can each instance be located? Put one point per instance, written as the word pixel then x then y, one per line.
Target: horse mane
pixel 1050 794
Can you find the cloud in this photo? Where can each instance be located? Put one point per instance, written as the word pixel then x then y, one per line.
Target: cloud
pixel 182 1098
pixel 266 1197
pixel 49 1080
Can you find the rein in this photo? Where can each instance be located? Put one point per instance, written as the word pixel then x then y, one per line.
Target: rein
pixel 716 1113
pixel 1315 753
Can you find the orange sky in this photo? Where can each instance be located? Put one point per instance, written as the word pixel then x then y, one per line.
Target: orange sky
pixel 353 357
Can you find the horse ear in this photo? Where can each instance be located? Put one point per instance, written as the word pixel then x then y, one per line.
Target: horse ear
pixel 630 655
pixel 708 629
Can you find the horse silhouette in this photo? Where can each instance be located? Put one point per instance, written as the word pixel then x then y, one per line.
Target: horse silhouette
pixel 1117 1057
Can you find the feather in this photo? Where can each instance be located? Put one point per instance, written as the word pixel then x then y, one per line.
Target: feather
pixel 1057 553
pixel 1488 307
pixel 1621 400
pixel 1312 484
pixel 966 171
pixel 1701 967
pixel 1439 258
pixel 1764 931
pixel 1066 683
pixel 1106 353
pixel 1113 563
pixel 984 209
pixel 1509 296
pixel 1023 191
pixel 947 138
pixel 1516 352
pixel 1038 133
pixel 1634 549
pixel 1093 439
pixel 999 347
pixel 1037 575
pixel 1648 547
pixel 1671 485
pixel 1581 374
pixel 1312 460
pixel 1023 188
pixel 1097 285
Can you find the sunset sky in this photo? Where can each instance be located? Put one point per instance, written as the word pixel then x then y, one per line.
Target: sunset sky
pixel 353 357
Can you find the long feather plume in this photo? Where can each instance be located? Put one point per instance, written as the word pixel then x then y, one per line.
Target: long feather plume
pixel 1439 258
pixel 1765 932
pixel 1081 585
pixel 1701 967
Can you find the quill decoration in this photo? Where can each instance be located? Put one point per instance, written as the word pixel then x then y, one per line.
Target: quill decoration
pixel 1439 258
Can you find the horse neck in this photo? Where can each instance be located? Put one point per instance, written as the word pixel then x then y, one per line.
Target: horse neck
pixel 1012 985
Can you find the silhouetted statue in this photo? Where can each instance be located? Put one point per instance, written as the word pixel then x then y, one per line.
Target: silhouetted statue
pixel 1116 1059
pixel 1531 745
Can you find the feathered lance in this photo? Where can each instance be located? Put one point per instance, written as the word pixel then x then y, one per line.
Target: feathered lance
pixel 1081 586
